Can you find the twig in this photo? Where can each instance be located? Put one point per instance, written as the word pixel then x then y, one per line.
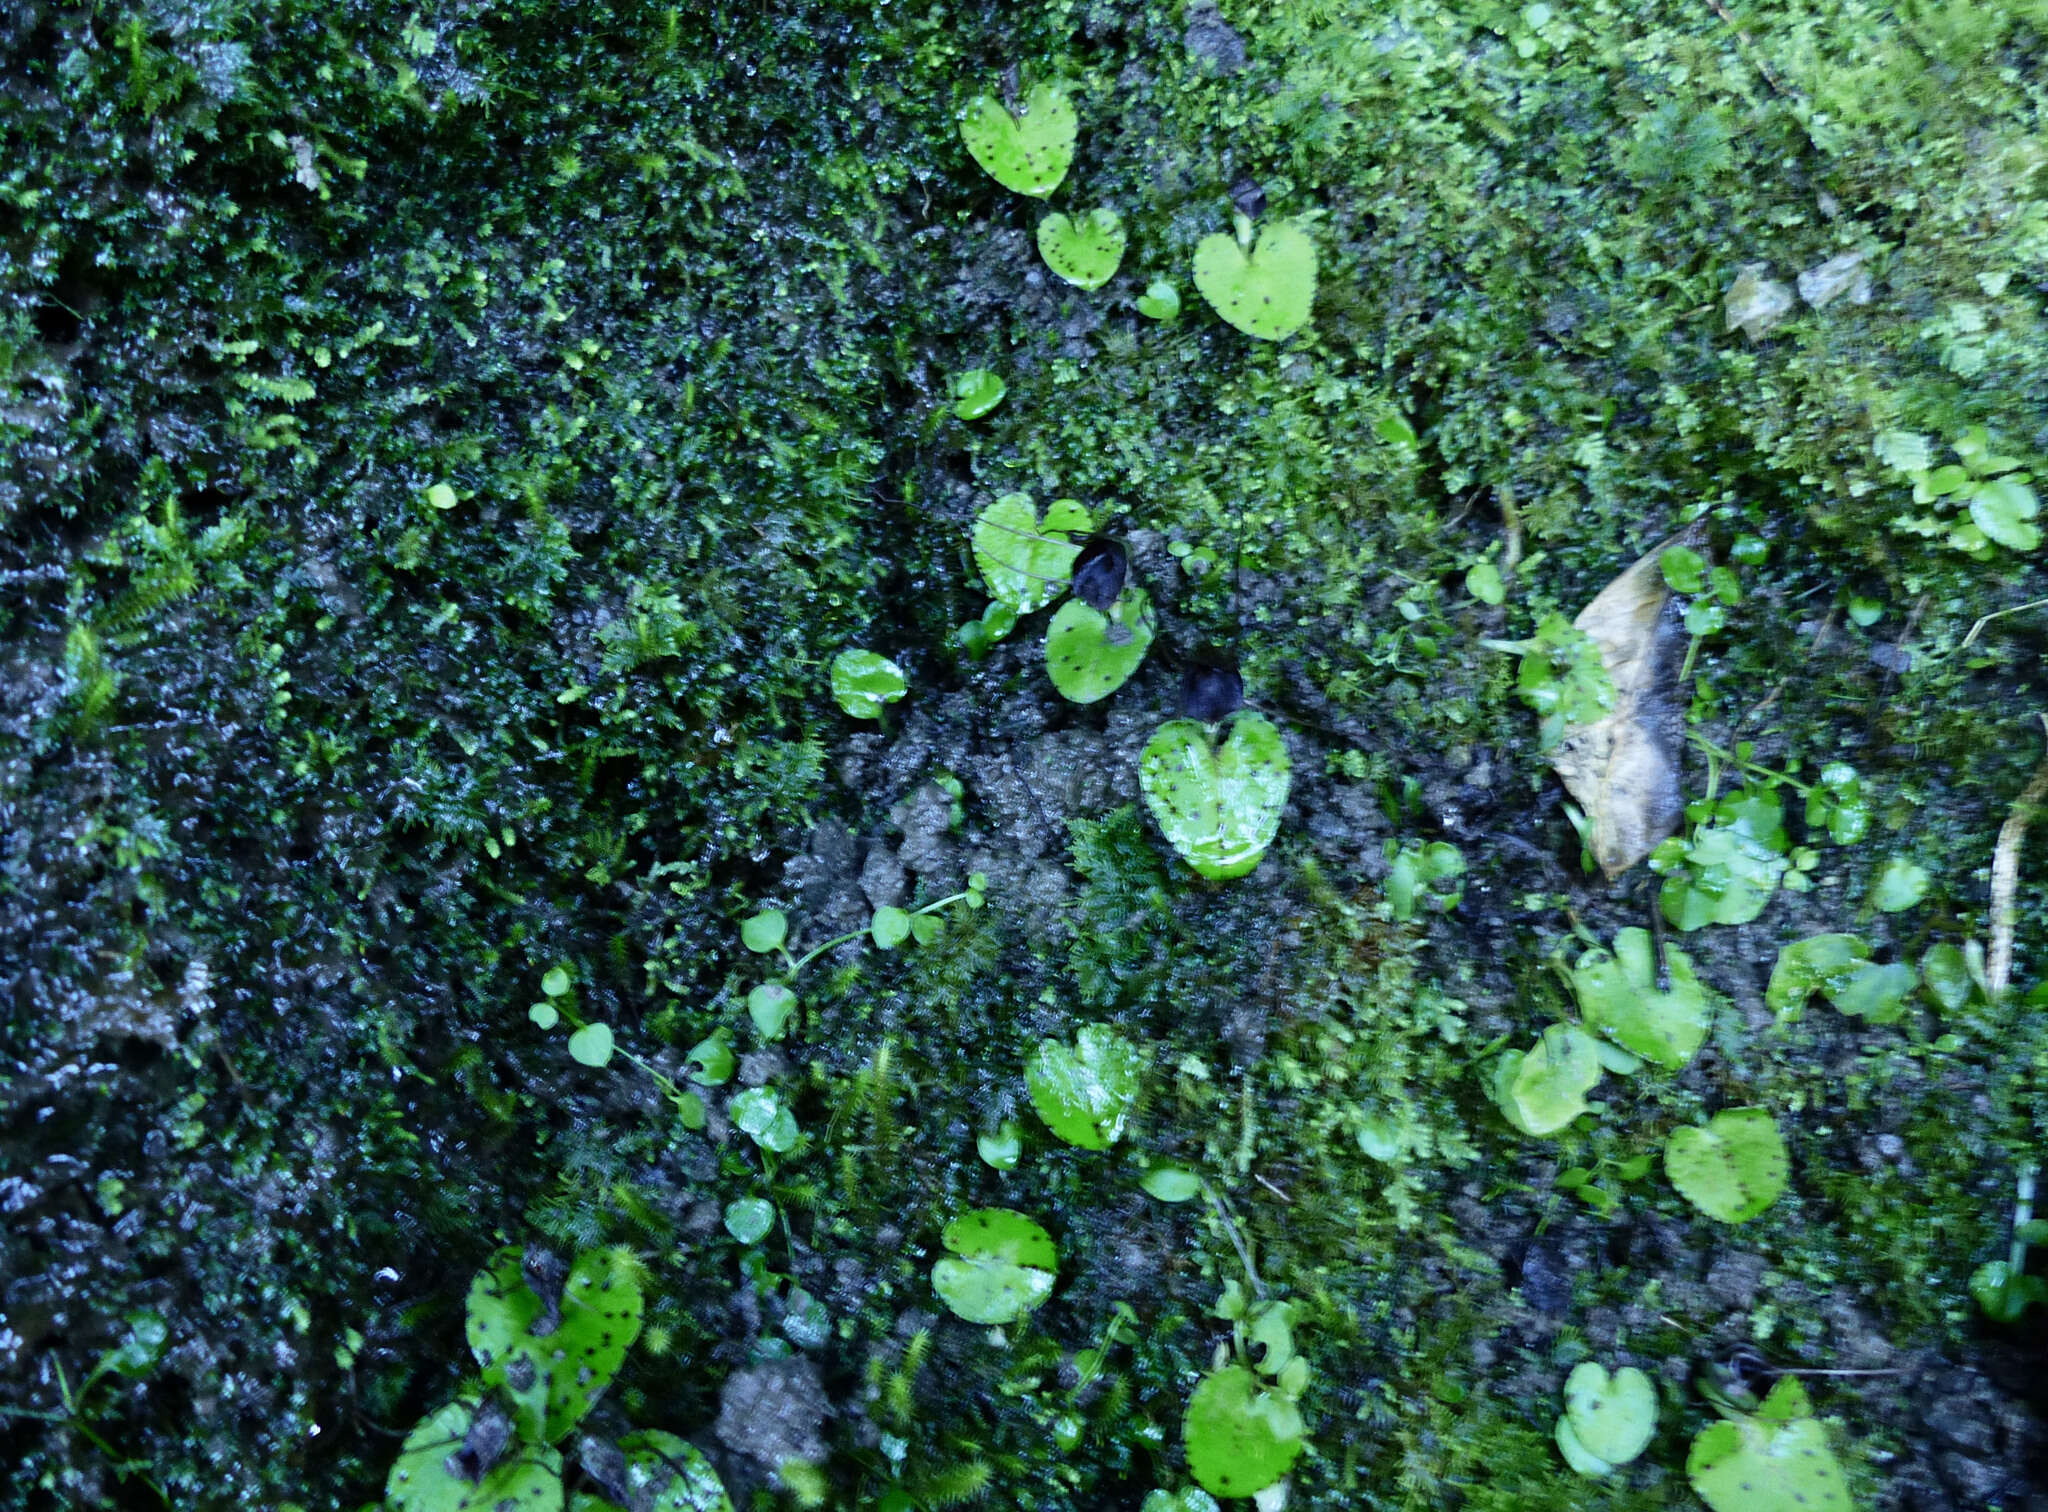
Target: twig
pixel 1749 47
pixel 2005 877
pixel 1273 1189
pixel 1978 628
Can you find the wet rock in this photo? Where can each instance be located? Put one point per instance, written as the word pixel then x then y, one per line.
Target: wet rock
pixel 1754 303
pixel 926 819
pixel 1961 1423
pixel 760 1067
pixel 828 860
pixel 774 1412
pixel 1733 1281
pixel 1546 1280
pixel 1826 282
pixel 1976 1482
pixel 881 879
pixel 1211 41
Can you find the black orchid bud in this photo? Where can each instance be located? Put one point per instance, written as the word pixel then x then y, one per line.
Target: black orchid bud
pixel 490 1432
pixel 1249 197
pixel 1210 688
pixel 1099 572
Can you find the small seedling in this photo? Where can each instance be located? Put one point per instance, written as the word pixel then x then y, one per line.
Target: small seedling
pixel 1265 290
pixel 1619 996
pixel 977 392
pixel 1732 1168
pixel 2000 507
pixel 1562 677
pixel 548 1339
pixel 1726 872
pixel 1160 301
pixel 1900 885
pixel 1086 1091
pixel 1003 1266
pixel 1084 252
pixel 1000 1148
pixel 1030 153
pixel 1423 873
pixel 1217 802
pixel 1608 1419
pixel 863 681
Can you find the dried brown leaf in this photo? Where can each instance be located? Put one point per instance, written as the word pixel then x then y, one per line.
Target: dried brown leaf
pixel 1623 769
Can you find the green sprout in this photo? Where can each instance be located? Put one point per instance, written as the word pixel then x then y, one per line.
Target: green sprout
pixel 1563 676
pixel 1620 998
pixel 1264 289
pixel 1541 1090
pixel 1242 1429
pixel 1084 252
pixel 1422 872
pixel 1160 301
pixel 1999 508
pixel 1025 561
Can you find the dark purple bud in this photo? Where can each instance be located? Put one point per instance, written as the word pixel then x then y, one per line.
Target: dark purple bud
pixel 1249 198
pixel 490 1432
pixel 1210 689
pixel 1099 572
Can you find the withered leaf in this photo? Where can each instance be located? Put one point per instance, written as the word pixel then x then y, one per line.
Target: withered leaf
pixel 1623 768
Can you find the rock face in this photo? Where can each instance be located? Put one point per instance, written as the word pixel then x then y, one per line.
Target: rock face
pixel 1212 41
pixel 774 1412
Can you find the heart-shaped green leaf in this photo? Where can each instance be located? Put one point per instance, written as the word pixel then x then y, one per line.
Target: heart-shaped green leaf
pixel 1026 561
pixel 1006 1266
pixel 1219 805
pixel 1030 154
pixel 1089 654
pixel 1160 301
pixel 1733 1168
pixel 1777 1461
pixel 1084 252
pixel 1266 292
pixel 1543 1090
pixel 1619 996
pixel 1576 1454
pixel 431 1475
pixel 553 1361
pixel 862 681
pixel 592 1045
pixel 1085 1093
pixel 770 1006
pixel 1241 1435
pixel 1612 1416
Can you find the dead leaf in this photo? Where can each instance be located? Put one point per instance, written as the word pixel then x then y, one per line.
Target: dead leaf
pixel 1623 769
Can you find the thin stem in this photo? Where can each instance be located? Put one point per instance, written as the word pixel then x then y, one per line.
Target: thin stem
pixel 2022 1215
pixel 817 950
pixel 1237 1240
pixel 1756 768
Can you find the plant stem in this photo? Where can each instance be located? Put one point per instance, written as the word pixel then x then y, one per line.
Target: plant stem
pixel 1802 788
pixel 817 950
